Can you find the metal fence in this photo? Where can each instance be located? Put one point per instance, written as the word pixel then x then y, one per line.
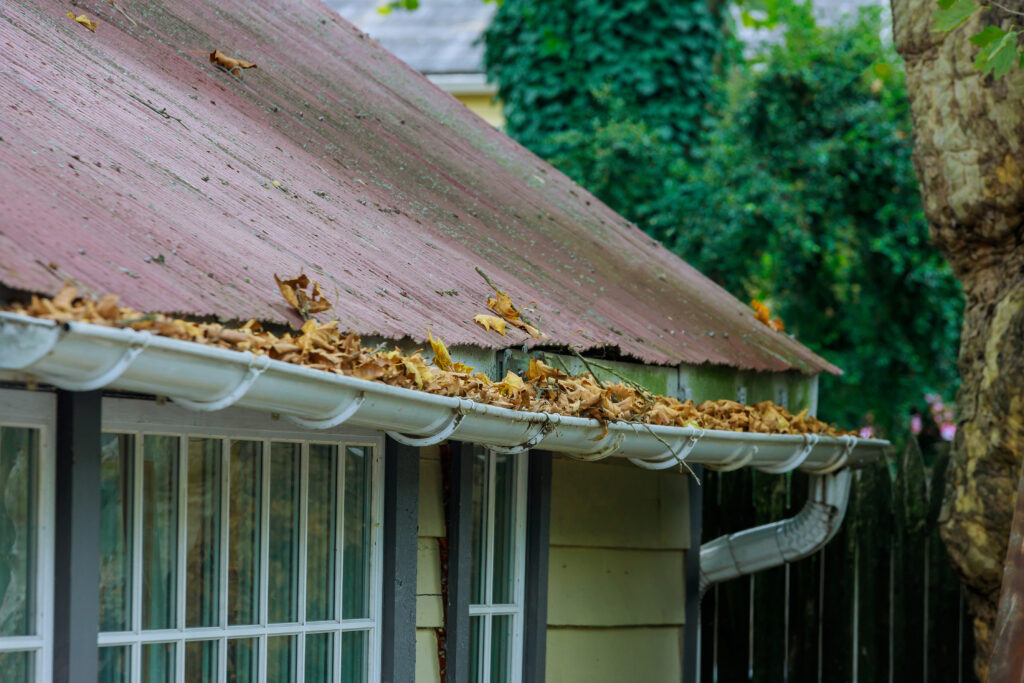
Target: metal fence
pixel 879 604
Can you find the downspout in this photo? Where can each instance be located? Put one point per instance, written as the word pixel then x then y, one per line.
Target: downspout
pixel 783 542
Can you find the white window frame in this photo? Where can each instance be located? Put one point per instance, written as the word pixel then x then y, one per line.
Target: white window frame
pixel 139 417
pixel 488 609
pixel 38 410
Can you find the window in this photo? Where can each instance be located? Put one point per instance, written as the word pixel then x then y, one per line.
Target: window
pixel 496 592
pixel 236 553
pixel 26 543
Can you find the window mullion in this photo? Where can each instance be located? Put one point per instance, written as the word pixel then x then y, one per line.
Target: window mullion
pixel 264 610
pixel 303 519
pixel 179 648
pixel 135 623
pixel 222 608
pixel 488 568
pixel 339 546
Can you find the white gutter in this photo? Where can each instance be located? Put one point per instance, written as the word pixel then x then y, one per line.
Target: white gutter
pixel 779 543
pixel 80 356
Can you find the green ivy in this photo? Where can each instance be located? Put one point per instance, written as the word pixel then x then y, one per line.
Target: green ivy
pixel 607 91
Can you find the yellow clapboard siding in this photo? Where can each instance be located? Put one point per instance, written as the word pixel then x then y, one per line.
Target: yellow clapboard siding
pixel 429 611
pixel 427 667
pixel 618 506
pixel 428 567
pixel 431 506
pixel 603 587
pixel 628 655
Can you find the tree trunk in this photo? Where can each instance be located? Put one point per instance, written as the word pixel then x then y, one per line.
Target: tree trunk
pixel 969 157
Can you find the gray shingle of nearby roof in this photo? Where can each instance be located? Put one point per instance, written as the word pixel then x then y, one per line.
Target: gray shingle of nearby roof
pixel 441 37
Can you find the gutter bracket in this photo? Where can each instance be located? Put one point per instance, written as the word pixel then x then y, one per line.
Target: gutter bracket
pixel 849 443
pixel 340 415
pixel 798 458
pixel 257 364
pixel 601 454
pixel 138 342
pixel 672 458
pixel 741 459
pixel 542 433
pixel 433 439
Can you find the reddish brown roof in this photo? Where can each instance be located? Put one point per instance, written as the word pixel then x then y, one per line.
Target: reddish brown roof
pixel 391 192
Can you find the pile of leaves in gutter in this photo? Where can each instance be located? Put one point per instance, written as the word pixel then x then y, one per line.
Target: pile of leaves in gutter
pixel 543 388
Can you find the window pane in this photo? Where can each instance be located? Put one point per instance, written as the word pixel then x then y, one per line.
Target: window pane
pixel 501 649
pixel 17 667
pixel 476 649
pixel 159 531
pixel 202 534
pixel 354 657
pixel 246 483
pixel 283 574
pixel 243 660
pixel 114 664
pixel 116 483
pixel 158 661
pixel 504 529
pixel 320 658
pixel 281 659
pixel 201 660
pixel 322 533
pixel 355 602
pixel 18 462
pixel 477 594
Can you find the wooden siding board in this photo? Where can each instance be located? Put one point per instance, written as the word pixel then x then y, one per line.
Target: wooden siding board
pixel 603 587
pixel 614 655
pixel 427 667
pixel 431 512
pixel 618 506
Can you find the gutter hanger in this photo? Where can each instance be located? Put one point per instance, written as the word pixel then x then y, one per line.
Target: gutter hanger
pixel 80 356
pixel 773 545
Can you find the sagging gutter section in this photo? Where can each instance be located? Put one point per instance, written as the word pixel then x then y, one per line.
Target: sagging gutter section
pixel 81 357
pixel 772 545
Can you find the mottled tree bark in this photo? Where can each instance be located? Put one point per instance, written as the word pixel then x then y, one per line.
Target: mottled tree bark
pixel 969 156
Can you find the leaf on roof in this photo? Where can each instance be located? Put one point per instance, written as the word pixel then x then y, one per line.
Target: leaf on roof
pixel 84 21
pixel 502 305
pixel 230 63
pixel 294 292
pixel 761 313
pixel 490 322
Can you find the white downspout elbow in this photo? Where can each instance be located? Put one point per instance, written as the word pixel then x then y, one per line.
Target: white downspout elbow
pixel 779 543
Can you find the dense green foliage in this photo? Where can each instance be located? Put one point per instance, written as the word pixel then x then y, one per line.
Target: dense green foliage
pixel 801 194
pixel 606 90
pixel 808 200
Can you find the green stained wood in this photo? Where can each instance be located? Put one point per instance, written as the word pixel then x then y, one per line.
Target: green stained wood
pixel 769 586
pixel 837 607
pixel 804 579
pixel 872 525
pixel 910 510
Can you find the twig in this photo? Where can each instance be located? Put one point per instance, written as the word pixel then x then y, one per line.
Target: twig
pixel 1006 9
pixel 589 369
pixel 682 463
pixel 162 112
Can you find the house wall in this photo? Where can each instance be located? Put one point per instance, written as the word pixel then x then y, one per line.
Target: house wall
pixel 616 591
pixel 485 106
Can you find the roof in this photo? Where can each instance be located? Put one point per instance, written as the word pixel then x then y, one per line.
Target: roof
pixel 441 37
pixel 141 169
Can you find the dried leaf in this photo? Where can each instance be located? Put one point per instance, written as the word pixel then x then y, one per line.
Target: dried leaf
pixel 502 305
pixel 230 63
pixel 65 297
pixel 84 21
pixel 490 322
pixel 441 357
pixel 761 313
pixel 294 293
